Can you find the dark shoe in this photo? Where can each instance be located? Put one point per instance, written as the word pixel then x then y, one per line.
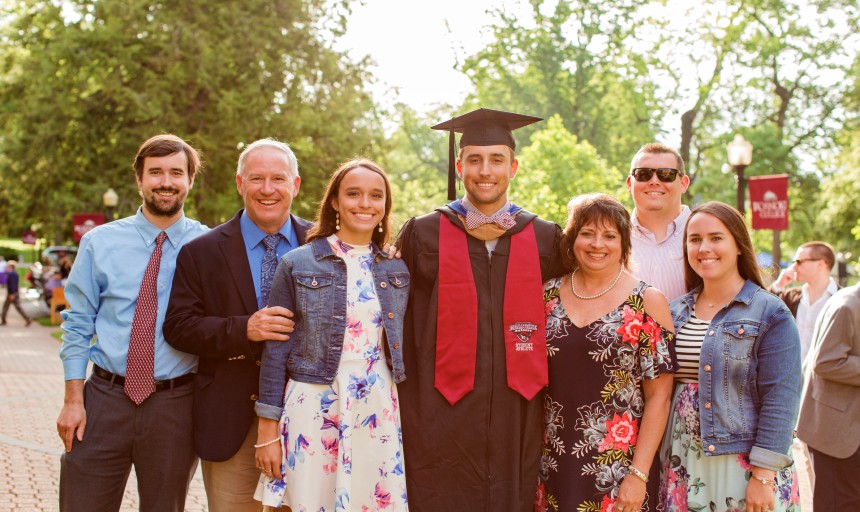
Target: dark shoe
pixel 29 321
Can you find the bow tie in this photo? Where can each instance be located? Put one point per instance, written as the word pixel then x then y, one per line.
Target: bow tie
pixel 501 219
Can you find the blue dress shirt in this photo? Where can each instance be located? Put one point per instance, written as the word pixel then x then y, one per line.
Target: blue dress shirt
pixel 102 292
pixel 253 236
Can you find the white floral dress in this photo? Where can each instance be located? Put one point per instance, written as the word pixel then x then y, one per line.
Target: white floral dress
pixel 342 442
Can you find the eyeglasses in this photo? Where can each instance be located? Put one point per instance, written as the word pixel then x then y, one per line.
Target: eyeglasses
pixel 799 261
pixel 664 174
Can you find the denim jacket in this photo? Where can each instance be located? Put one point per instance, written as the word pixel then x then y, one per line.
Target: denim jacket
pixel 749 376
pixel 311 282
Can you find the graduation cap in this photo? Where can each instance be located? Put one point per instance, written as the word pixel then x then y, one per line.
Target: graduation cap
pixel 482 127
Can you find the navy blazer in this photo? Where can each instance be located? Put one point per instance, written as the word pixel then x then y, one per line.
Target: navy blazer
pixel 211 301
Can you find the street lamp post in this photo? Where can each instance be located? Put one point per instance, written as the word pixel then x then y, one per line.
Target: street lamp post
pixel 740 156
pixel 110 200
pixel 842 259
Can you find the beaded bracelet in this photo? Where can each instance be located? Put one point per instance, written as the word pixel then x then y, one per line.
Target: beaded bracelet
pixel 267 443
pixel 638 473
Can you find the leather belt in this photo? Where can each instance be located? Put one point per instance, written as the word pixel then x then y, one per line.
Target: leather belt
pixel 160 385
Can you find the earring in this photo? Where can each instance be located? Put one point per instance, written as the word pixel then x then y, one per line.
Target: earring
pixel 380 227
pixel 337 221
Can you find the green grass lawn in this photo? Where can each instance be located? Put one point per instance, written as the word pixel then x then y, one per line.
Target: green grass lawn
pixel 29 252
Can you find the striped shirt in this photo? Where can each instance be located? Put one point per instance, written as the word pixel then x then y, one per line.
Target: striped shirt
pixel 688 347
pixel 661 264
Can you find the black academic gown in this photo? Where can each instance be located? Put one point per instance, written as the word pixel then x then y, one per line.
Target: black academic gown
pixel 483 453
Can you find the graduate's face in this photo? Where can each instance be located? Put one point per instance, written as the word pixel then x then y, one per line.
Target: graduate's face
pixel 486 172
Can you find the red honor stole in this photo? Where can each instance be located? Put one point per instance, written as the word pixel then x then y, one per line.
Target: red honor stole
pixel 524 316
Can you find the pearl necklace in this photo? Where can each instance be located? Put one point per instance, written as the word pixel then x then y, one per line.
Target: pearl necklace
pixel 590 297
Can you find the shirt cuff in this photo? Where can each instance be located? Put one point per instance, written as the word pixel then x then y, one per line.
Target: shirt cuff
pixel 768 460
pixel 268 411
pixel 75 369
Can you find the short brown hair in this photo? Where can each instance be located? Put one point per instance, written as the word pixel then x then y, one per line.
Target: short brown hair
pixel 734 222
pixel 821 251
pixel 326 216
pixel 657 148
pixel 599 209
pixel 163 145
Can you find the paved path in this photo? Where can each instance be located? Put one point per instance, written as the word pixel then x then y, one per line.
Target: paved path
pixel 31 395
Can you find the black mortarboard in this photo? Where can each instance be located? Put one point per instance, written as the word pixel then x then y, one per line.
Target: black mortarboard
pixel 482 127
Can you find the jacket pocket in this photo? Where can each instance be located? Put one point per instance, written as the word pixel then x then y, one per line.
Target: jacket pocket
pixel 833 394
pixel 314 310
pixel 739 338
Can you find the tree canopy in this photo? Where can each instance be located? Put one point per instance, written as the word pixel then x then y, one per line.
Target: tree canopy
pixel 83 83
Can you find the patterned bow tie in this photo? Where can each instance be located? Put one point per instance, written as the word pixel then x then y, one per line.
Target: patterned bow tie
pixel 501 219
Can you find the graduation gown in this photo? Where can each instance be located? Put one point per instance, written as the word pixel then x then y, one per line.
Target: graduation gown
pixel 483 453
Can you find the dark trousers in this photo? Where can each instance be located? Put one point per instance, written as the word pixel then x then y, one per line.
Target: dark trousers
pixel 836 484
pixel 13 299
pixel 155 437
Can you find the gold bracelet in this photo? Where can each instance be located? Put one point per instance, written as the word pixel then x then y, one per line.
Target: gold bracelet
pixel 769 482
pixel 638 473
pixel 267 443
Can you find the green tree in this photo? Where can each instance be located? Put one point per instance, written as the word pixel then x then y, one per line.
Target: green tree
pixel 84 82
pixel 556 167
pixel 570 59
pixel 416 159
pixel 839 220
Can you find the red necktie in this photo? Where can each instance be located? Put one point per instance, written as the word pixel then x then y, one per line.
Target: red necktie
pixel 140 366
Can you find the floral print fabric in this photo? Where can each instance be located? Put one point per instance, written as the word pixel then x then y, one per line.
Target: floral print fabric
pixel 694 482
pixel 595 401
pixel 342 442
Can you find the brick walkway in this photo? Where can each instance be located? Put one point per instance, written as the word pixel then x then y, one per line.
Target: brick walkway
pixel 31 395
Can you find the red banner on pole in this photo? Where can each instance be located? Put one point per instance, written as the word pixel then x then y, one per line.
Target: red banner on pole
pixel 29 237
pixel 769 201
pixel 84 222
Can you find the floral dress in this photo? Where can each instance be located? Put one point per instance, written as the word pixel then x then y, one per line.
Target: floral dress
pixel 595 402
pixel 342 443
pixel 694 482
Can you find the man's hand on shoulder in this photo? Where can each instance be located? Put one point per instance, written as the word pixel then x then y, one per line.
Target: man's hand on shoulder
pixel 392 250
pixel 270 324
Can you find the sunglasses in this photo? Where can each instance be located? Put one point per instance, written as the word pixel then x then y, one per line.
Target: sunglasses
pixel 800 261
pixel 664 174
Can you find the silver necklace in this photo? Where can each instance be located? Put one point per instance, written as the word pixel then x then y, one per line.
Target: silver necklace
pixel 590 297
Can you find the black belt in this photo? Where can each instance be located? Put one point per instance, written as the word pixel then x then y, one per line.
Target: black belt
pixel 160 385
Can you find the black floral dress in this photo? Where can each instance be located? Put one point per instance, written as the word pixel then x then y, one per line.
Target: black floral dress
pixel 595 402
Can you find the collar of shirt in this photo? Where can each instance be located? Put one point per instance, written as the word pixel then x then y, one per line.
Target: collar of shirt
pixel 675 227
pixel 832 288
pixel 149 232
pixel 253 237
pixel 470 207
